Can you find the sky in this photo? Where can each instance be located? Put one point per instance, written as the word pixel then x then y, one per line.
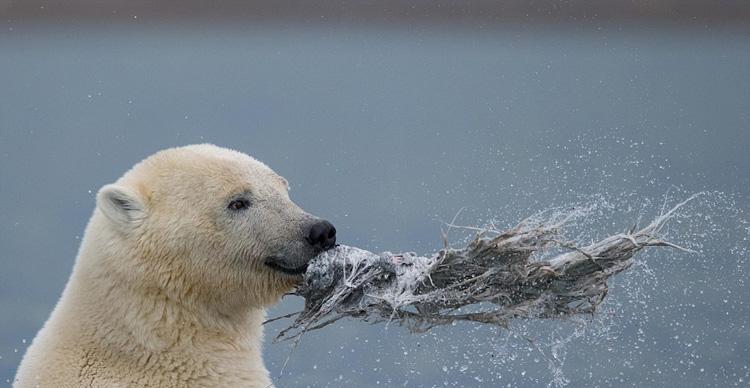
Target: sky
pixel 389 131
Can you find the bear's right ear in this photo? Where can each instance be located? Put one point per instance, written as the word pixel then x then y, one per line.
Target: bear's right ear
pixel 120 205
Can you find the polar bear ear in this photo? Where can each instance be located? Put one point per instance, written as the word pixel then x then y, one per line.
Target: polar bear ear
pixel 120 205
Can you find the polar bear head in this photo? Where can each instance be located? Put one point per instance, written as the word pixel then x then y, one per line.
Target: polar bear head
pixel 204 224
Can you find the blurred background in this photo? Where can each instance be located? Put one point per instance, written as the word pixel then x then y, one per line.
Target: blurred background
pixel 389 117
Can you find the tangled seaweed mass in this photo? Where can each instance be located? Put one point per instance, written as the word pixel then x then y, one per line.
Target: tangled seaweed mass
pixel 496 274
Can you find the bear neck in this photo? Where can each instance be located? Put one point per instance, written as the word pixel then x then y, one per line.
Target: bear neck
pixel 167 322
pixel 143 321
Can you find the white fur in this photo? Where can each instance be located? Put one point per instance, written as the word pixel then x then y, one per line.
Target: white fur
pixel 169 287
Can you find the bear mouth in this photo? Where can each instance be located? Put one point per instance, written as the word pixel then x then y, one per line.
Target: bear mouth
pixel 274 263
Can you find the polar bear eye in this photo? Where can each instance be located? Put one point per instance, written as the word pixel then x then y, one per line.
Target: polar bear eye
pixel 239 204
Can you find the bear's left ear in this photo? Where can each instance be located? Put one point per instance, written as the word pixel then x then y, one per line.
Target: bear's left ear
pixel 120 205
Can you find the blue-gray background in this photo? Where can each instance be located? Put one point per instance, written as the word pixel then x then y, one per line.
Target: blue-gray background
pixel 387 130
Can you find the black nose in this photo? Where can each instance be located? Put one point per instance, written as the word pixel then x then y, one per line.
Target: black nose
pixel 322 235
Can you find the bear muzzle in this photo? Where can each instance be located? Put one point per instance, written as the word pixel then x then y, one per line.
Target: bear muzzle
pixel 320 236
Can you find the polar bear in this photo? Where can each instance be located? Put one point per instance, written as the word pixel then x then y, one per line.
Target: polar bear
pixel 177 264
